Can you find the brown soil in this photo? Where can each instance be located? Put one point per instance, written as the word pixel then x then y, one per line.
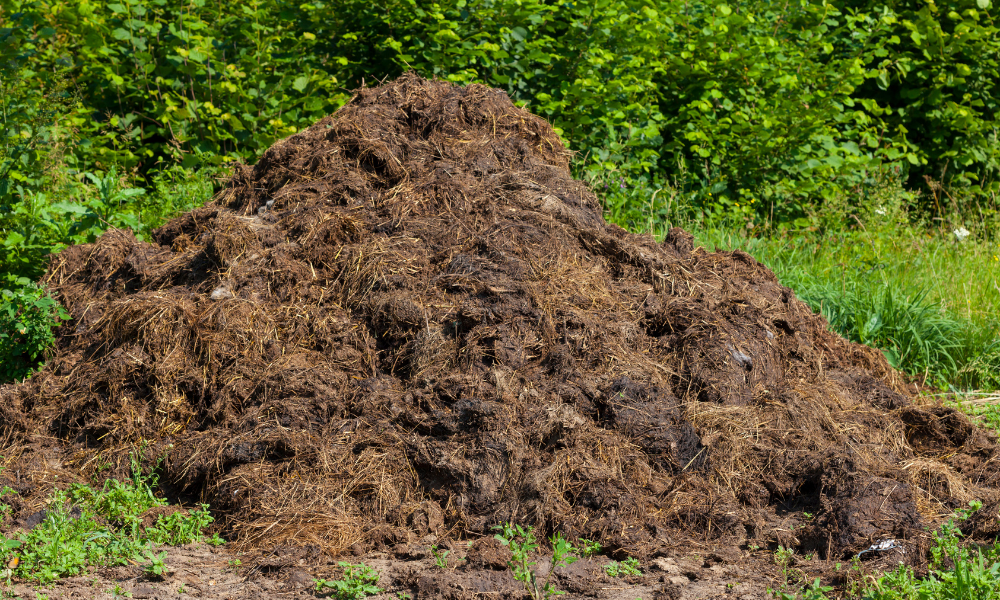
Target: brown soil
pixel 199 572
pixel 409 321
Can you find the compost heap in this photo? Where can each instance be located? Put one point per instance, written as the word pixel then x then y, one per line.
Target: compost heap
pixel 409 319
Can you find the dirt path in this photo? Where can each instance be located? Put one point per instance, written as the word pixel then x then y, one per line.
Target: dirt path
pixel 200 571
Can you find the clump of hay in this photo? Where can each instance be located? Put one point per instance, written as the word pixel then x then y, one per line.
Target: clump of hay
pixel 411 308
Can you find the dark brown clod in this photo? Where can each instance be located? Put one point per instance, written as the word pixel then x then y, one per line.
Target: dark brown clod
pixel 488 553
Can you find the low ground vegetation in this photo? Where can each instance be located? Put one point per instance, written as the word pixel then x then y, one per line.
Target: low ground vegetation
pixel 96 525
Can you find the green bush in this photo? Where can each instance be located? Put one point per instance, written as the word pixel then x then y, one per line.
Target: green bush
pixel 781 107
pixel 186 82
pixel 938 78
pixel 28 314
pixel 783 104
pixel 30 103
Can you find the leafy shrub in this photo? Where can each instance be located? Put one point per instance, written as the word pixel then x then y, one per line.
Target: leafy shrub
pixel 30 102
pixel 28 315
pixel 786 104
pixel 937 79
pixel 189 82
pixel 37 226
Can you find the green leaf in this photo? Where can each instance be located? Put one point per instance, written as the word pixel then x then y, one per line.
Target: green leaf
pixel 300 83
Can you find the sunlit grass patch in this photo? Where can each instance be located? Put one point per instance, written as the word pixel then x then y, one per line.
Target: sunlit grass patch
pixel 86 525
pixel 928 301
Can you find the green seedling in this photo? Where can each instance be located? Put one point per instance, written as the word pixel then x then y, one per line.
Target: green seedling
pixel 589 548
pixel 360 581
pixel 157 567
pixel 626 568
pixel 440 557
pixel 522 544
pixel 120 592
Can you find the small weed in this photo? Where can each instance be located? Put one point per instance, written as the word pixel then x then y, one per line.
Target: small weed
pixel 181 589
pixel 120 592
pixel 178 528
pixel 627 568
pixel 440 557
pixel 816 591
pixel 156 567
pixel 360 581
pixel 235 564
pixel 589 548
pixel 783 558
pixel 522 544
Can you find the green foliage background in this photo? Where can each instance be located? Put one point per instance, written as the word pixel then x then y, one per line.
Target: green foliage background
pixel 787 102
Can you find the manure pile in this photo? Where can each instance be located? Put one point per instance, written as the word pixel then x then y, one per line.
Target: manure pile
pixel 409 319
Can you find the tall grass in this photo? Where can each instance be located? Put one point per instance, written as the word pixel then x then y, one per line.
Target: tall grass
pixel 926 309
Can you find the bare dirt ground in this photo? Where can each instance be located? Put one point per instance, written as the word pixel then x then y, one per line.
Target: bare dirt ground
pixel 200 571
pixel 474 571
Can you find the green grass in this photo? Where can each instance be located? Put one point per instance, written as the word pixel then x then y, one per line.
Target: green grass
pixel 926 300
pixel 85 525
